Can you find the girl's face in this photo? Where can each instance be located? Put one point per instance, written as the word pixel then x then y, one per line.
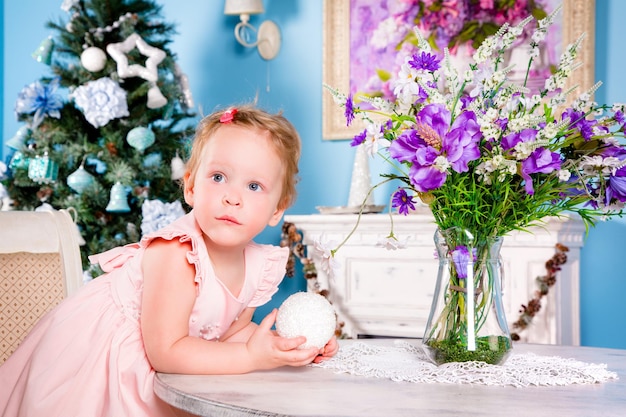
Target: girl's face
pixel 237 187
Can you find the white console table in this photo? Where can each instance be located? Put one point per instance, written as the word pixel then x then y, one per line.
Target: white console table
pixel 379 292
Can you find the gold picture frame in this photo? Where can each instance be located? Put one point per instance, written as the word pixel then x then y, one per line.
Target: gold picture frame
pixel 578 17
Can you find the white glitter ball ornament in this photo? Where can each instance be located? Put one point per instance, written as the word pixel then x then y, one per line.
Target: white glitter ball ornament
pixel 93 59
pixel 307 314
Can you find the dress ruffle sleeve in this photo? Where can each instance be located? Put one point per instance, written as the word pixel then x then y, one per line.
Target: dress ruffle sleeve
pixel 192 256
pixel 115 257
pixel 271 275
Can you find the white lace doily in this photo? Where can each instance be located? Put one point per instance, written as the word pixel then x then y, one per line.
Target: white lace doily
pixel 405 362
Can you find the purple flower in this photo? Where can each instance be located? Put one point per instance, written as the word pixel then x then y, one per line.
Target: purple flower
pixel 461 258
pixel 349 112
pixel 422 94
pixel 579 122
pixel 425 61
pixel 617 186
pixel 359 138
pixel 512 139
pixel 541 160
pixel 403 201
pixel 434 146
pixel 466 101
pixel 614 151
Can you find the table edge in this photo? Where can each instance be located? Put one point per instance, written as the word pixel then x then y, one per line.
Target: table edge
pixel 185 401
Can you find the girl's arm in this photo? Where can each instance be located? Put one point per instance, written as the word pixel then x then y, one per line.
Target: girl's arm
pixel 242 329
pixel 169 293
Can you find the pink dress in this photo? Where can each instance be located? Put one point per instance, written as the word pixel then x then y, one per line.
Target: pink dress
pixel 86 357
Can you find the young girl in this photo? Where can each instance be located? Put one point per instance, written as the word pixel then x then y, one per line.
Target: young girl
pixel 182 299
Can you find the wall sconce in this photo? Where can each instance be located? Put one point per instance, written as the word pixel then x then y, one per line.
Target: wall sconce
pixel 266 38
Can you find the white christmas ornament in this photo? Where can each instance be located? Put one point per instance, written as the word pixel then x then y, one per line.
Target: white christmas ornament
pixel 156 99
pixel 93 59
pixel 101 101
pixel 148 72
pixel 178 167
pixel 157 214
pixel 307 314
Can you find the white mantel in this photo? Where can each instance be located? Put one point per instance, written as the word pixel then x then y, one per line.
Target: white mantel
pixel 388 293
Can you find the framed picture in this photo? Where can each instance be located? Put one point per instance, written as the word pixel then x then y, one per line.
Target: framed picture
pixel 577 17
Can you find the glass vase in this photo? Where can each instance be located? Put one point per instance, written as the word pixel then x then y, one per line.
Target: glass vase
pixel 467 320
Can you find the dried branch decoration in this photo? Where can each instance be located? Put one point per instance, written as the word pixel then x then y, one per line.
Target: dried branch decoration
pixel 545 282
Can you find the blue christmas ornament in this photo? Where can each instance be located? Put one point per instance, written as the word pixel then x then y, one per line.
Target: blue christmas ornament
pixel 80 179
pixel 17 141
pixel 43 170
pixel 19 161
pixel 99 166
pixel 43 53
pixel 153 160
pixel 140 138
pixel 118 202
pixel 40 99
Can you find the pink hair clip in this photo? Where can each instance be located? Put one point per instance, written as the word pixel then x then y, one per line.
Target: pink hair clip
pixel 228 115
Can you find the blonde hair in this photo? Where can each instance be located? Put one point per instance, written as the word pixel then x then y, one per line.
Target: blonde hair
pixel 282 134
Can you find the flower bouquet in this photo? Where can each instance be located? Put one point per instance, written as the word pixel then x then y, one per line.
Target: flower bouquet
pixel 489 156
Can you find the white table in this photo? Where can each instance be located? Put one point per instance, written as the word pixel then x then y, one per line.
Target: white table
pixel 309 391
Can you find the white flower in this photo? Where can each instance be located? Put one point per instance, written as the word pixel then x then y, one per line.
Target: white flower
pixel 550 131
pixel 618 107
pixel 338 97
pixel 382 104
pixel 485 50
pixel 558 100
pixel 480 77
pixel 392 243
pixel 441 163
pixel 324 252
pixel 612 141
pixel 564 175
pixel 405 86
pixel 594 164
pixel 523 150
pixel 374 139
pixel 101 101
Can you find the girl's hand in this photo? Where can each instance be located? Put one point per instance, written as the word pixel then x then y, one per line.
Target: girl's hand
pixel 268 350
pixel 328 351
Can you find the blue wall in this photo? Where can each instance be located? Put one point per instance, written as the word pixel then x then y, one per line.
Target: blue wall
pixel 221 72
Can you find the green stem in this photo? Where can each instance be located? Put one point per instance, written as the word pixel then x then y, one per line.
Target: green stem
pixel 358 220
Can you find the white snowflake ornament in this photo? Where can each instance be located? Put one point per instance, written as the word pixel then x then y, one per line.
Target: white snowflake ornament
pixel 101 101
pixel 307 314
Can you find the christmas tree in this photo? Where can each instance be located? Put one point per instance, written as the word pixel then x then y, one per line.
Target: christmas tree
pixel 106 131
